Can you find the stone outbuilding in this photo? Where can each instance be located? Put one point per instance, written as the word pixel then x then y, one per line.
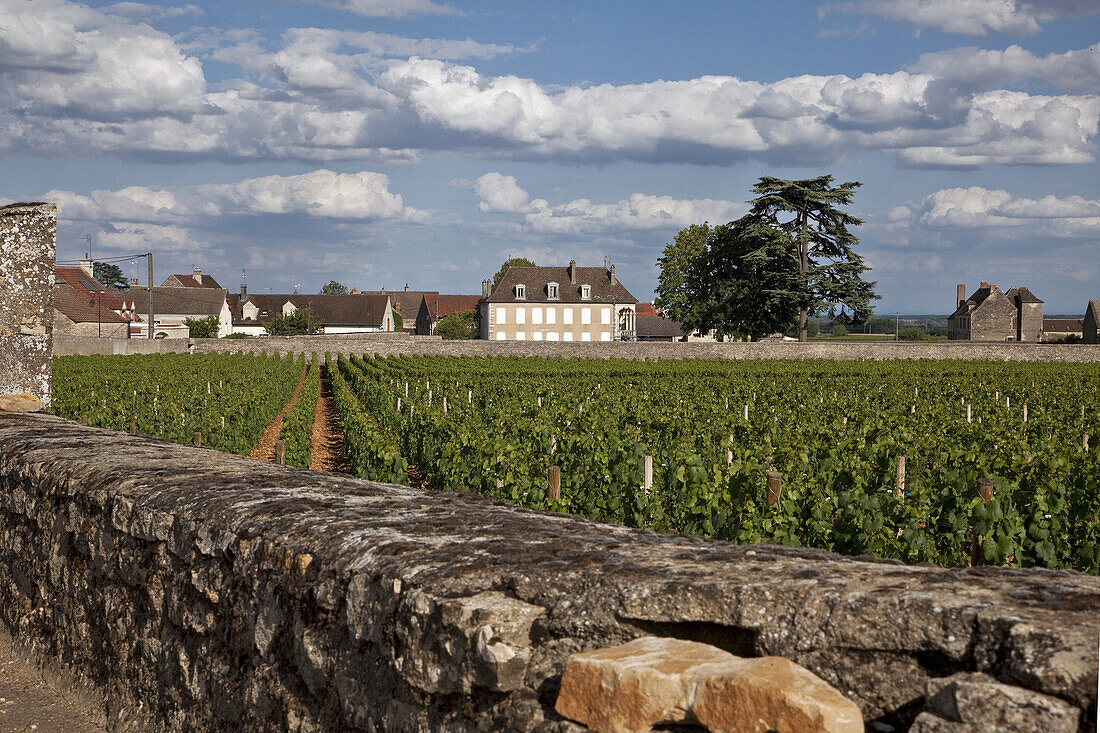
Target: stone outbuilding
pixel 992 315
pixel 1091 323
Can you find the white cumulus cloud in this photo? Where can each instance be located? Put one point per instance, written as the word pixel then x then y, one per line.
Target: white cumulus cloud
pixel 998 211
pixel 968 17
pixel 389 8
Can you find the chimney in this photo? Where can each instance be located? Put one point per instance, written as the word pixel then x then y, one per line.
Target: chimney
pixel 960 294
pixel 244 289
pixel 198 276
pixel 134 282
pixel 355 291
pixel 86 266
pixel 486 286
pixel 573 271
pixel 611 276
pixel 406 287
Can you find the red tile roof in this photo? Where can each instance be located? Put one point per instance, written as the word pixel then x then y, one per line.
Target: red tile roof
pixel 83 307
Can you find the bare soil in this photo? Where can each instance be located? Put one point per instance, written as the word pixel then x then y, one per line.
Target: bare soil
pixel 28 702
pixel 328 435
pixel 265 449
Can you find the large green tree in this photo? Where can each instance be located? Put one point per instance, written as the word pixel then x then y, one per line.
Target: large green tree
pixel 458 325
pixel 202 328
pixel 300 322
pixel 673 295
pixel 742 284
pixel 830 271
pixel 334 288
pixel 110 275
pixel 512 262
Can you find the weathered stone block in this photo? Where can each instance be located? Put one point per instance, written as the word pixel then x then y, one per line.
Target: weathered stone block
pixel 975 701
pixel 651 681
pixel 28 242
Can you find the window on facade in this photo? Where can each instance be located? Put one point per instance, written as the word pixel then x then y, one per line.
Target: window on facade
pixel 537 336
pixel 586 291
pixel 500 335
pixel 567 337
pixel 552 336
pixel 586 316
pixel 536 315
pixel 551 315
pixel 521 336
pixel 605 336
pixel 567 316
pixel 521 315
pixel 521 291
pixel 605 316
pixel 586 336
pixel 552 290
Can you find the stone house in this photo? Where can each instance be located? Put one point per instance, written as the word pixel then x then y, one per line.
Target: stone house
pixel 1058 328
pixel 992 315
pixel 338 314
pixel 557 304
pixel 78 313
pixel 173 305
pixel 195 280
pixel 1091 324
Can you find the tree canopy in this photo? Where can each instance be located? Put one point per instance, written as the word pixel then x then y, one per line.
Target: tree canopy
pixel 791 257
pixel 300 322
pixel 458 325
pixel 202 328
pixel 109 275
pixel 334 288
pixel 512 262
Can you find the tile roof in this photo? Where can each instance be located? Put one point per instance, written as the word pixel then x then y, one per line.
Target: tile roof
pixel 78 280
pixel 1063 325
pixel 535 280
pixel 646 309
pixel 332 310
pixel 200 302
pixel 1025 295
pixel 78 306
pixel 189 281
pixel 448 304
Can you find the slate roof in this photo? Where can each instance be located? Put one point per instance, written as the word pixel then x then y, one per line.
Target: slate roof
pixel 77 306
pixel 332 310
pixel 200 302
pixel 189 281
pixel 1025 295
pixel 1094 306
pixel 535 279
pixel 657 327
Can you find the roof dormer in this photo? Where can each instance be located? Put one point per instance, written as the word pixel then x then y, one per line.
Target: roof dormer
pixel 520 292
pixel 586 292
pixel 553 292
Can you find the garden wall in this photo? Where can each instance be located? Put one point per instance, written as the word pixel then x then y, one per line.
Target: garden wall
pixel 203 591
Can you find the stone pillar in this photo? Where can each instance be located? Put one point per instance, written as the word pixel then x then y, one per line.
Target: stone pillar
pixel 28 242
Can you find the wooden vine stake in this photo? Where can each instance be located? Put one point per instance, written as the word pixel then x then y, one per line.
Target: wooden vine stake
pixel 83 419
pixel 746 411
pixel 197 438
pixel 1025 412
pixel 553 444
pixel 444 405
pixel 968 413
pixel 133 428
pixel 1085 442
pixel 774 486
pixel 280 452
pixel 469 397
pixel 899 483
pixel 647 474
pixel 553 478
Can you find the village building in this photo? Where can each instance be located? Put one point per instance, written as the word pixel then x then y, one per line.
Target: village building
pixel 557 304
pixel 172 306
pixel 992 315
pixel 658 328
pixel 336 314
pixel 421 310
pixel 195 280
pixel 1056 329
pixel 77 313
pixel 1091 323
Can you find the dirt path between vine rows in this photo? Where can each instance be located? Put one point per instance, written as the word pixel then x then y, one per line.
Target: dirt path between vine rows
pixel 29 701
pixel 265 449
pixel 328 436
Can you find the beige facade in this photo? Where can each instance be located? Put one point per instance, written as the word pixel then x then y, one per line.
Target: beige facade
pixel 63 325
pixel 581 322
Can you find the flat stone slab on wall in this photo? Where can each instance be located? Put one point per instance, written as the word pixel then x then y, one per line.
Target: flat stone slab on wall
pixel 28 234
pixel 211 591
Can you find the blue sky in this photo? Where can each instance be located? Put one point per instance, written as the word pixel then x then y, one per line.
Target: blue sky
pixel 379 142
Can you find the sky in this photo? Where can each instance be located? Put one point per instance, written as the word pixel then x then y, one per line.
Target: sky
pixel 385 142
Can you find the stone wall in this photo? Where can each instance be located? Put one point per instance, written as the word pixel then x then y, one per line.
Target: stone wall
pixel 73 344
pixel 204 591
pixel 28 235
pixel 846 350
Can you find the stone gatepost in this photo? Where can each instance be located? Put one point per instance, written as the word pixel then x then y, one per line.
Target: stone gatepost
pixel 28 244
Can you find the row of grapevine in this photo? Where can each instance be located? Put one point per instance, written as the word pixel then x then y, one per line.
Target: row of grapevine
pixel 833 430
pixel 370 452
pixel 229 398
pixel 297 430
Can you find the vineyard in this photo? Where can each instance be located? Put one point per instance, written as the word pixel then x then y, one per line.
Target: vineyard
pixel 945 462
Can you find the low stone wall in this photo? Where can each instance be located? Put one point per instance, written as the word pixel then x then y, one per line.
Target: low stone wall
pixel 204 591
pixel 844 350
pixel 73 345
